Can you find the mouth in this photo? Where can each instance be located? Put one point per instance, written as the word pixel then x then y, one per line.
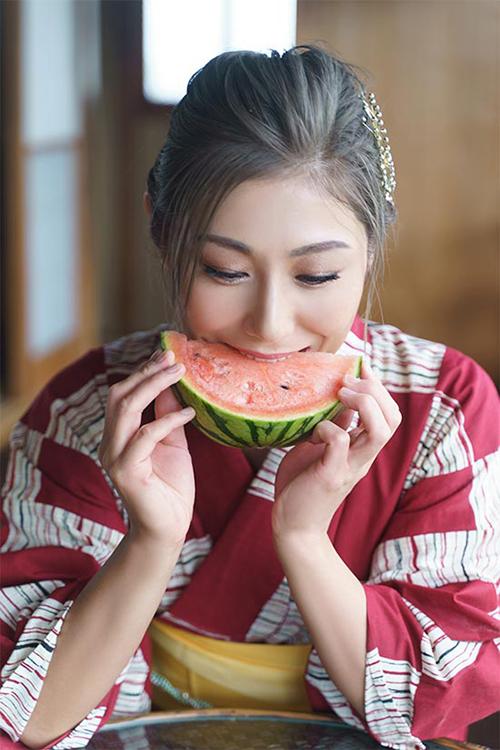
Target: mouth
pixel 264 357
pixel 261 356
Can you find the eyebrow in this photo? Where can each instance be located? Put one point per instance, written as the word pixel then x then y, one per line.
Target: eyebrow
pixel 315 247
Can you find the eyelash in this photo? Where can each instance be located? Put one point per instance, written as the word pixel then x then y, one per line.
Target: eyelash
pixel 230 278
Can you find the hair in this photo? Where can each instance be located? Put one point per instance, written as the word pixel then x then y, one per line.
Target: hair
pixel 248 115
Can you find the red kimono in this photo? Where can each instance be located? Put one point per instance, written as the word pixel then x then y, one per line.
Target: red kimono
pixel 420 531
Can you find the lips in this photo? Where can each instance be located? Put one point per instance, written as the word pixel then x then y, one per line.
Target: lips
pixel 260 355
pixel 275 357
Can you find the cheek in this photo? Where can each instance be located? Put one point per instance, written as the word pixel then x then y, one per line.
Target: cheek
pixel 337 304
pixel 332 316
pixel 209 309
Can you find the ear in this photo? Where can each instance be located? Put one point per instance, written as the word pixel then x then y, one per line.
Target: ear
pixel 148 206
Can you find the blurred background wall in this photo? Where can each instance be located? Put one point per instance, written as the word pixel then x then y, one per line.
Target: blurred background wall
pixel 90 273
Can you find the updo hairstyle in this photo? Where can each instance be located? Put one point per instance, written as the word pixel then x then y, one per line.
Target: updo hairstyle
pixel 248 115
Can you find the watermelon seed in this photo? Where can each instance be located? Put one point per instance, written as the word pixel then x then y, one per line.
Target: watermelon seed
pixel 286 387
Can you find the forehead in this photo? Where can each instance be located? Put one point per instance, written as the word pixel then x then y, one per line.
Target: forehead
pixel 286 213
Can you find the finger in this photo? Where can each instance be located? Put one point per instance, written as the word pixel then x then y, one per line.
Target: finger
pixel 159 360
pixel 166 402
pixel 149 435
pixel 371 385
pixel 331 462
pixel 126 415
pixel 376 428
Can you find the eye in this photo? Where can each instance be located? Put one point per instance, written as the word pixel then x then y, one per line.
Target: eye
pixel 225 275
pixel 230 278
pixel 315 280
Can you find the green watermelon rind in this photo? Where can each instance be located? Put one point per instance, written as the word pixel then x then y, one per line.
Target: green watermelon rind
pixel 244 431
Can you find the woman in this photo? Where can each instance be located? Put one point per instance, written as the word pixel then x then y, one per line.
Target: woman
pixel 358 566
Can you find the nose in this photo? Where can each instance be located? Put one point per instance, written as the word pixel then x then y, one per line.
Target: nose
pixel 271 317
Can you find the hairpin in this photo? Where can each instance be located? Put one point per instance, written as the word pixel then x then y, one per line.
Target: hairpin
pixel 372 119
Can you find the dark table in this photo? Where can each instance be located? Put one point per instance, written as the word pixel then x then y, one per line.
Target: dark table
pixel 234 729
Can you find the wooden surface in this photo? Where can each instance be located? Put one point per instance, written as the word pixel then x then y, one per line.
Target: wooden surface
pixel 435 66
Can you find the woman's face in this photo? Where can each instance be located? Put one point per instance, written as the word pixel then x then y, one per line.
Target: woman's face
pixel 282 269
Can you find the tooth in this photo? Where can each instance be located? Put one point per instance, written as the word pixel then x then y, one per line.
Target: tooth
pixel 264 359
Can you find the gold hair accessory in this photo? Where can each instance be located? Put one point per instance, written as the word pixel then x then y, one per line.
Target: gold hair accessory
pixel 375 124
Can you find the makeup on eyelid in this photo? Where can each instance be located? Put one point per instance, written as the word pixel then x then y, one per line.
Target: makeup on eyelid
pixel 322 267
pixel 232 278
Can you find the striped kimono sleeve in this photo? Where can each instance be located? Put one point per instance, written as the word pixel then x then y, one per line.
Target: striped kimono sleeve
pixel 61 522
pixel 432 664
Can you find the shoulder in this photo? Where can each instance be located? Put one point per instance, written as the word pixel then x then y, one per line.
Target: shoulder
pixel 70 408
pixel 124 355
pixel 452 392
pixel 410 363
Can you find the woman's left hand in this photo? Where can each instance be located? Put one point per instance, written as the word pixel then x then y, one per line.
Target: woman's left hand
pixel 316 476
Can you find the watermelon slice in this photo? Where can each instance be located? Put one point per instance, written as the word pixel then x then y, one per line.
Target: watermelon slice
pixel 243 402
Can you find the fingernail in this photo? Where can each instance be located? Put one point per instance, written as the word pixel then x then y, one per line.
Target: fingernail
pixel 188 411
pixel 351 379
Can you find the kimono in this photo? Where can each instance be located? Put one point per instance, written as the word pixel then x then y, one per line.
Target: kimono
pixel 420 531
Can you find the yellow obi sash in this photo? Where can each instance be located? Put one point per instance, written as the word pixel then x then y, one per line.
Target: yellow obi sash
pixel 195 671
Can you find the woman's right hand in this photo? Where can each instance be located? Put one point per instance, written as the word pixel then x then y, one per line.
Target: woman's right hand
pixel 150 465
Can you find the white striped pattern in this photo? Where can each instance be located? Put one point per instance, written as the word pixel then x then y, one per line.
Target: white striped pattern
pixel 404 363
pixel 77 421
pixel 435 560
pixel 353 345
pixel 442 657
pixel 38 629
pixel 279 621
pixel 485 493
pixel 81 735
pixel 132 697
pixel 125 354
pixel 21 487
pixel 25 670
pixel 318 677
pixel 19 602
pixel 390 687
pixel 444 445
pixel 262 485
pixel 26 443
pixel 45 525
pixel 193 552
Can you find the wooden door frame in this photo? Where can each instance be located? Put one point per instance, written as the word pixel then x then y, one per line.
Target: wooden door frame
pixel 25 374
